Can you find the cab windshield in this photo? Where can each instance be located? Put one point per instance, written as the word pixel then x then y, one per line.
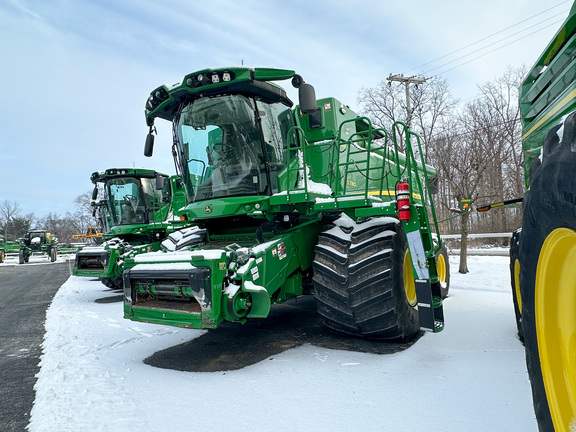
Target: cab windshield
pixel 230 145
pixel 133 200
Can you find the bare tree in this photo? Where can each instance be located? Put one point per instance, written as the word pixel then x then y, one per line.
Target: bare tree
pixel 431 106
pixel 8 211
pixel 434 107
pixel 501 96
pixel 463 161
pixel 383 104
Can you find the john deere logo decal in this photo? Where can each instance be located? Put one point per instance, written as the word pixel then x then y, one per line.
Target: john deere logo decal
pixel 208 209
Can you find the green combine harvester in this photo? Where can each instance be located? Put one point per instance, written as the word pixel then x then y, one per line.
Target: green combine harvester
pixel 285 202
pixel 543 251
pixel 138 211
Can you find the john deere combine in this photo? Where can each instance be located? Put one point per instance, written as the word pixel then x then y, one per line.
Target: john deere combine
pixel 288 201
pixel 137 212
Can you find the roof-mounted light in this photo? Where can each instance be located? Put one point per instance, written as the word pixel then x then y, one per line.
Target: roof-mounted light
pixel 157 97
pixel 214 77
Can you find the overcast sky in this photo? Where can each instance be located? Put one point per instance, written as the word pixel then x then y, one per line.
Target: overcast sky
pixel 75 74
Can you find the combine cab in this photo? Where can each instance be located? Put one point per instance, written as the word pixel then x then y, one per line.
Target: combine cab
pixel 38 242
pixel 289 201
pixel 137 213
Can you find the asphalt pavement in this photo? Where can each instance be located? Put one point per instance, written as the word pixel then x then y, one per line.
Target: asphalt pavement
pixel 26 292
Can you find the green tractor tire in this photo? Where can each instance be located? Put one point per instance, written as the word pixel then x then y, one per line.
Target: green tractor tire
pixel 22 257
pixel 359 281
pixel 547 254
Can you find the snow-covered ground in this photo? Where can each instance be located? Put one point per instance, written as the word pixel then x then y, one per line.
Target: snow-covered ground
pixel 470 377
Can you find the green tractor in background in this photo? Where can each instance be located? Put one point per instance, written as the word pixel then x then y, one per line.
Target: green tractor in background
pixel 2 249
pixel 137 212
pixel 38 242
pixel 289 201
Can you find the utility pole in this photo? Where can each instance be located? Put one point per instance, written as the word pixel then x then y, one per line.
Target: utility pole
pixel 407 81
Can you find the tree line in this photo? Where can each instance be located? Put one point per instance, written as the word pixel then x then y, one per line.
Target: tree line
pixel 475 145
pixel 14 224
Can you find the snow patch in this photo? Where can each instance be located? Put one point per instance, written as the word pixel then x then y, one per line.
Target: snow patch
pixel 93 377
pixel 164 266
pixel 560 132
pixel 178 256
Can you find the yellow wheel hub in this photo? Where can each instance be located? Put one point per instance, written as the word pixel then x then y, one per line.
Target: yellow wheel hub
pixel 517 285
pixel 441 268
pixel 409 283
pixel 555 313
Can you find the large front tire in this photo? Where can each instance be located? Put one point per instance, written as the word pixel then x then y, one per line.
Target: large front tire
pixel 548 281
pixel 359 281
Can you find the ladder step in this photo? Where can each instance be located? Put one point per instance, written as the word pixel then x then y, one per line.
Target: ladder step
pixel 430 309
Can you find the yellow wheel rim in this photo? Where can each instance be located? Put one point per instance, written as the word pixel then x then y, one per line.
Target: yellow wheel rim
pixel 555 306
pixel 441 268
pixel 517 285
pixel 409 284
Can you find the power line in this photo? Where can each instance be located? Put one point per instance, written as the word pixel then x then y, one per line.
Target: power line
pixel 494 34
pixel 489 52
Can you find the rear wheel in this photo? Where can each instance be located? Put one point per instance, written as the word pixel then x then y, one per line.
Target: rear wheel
pixel 21 257
pixel 363 281
pixel 515 280
pixel 548 281
pixel 443 268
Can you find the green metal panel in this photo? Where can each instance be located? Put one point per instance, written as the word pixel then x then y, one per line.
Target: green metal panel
pixel 549 90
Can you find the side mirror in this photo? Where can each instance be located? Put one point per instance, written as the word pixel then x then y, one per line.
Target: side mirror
pixel 307 98
pixel 159 182
pixel 149 145
pixel 95 193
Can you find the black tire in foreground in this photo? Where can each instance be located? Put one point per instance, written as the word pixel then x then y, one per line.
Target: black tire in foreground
pixel 515 280
pixel 548 280
pixel 359 280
